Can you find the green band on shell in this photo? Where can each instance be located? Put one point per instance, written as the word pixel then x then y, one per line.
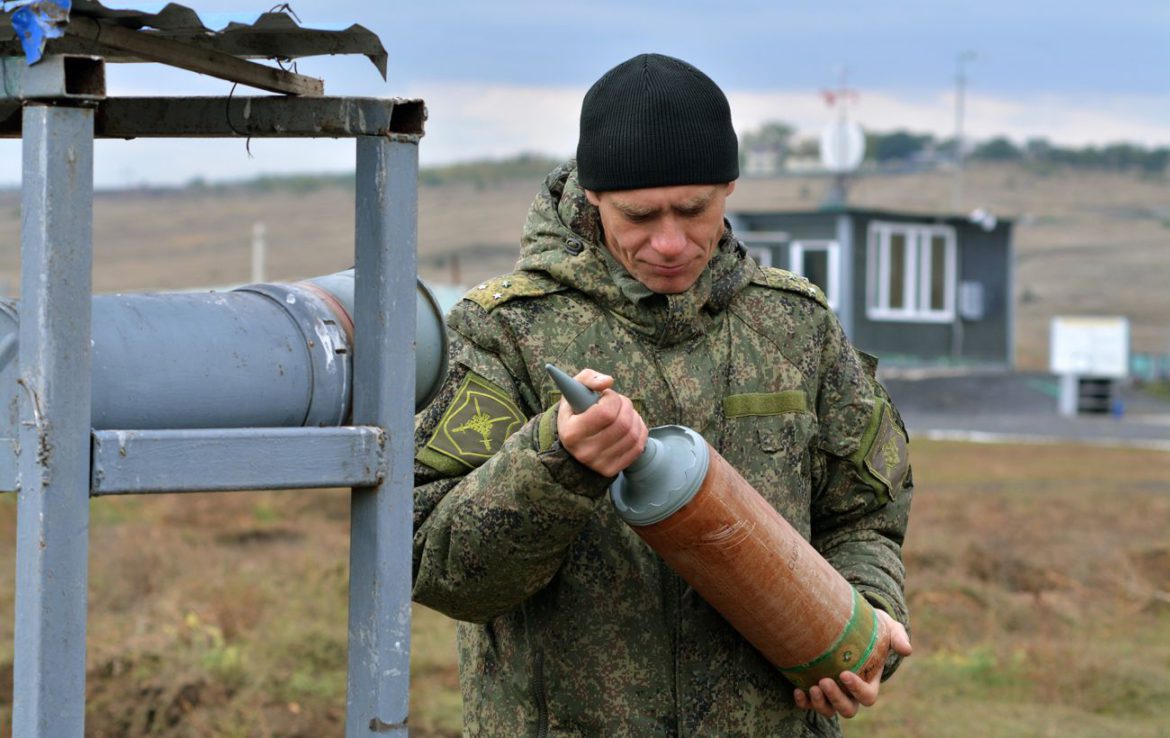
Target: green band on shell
pixel 848 653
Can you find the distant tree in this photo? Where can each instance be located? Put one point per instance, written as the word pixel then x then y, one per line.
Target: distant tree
pixel 896 146
pixel 997 149
pixel 486 172
pixel 1157 161
pixel 1122 156
pixel 806 147
pixel 946 147
pixel 774 137
pixel 1037 148
pixel 1116 157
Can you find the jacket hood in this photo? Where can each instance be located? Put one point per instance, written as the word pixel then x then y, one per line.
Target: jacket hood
pixel 562 240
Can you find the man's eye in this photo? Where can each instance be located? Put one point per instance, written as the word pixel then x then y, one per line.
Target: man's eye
pixel 639 217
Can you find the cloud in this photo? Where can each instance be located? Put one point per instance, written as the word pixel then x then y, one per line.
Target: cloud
pixel 1061 119
pixel 484 121
pixel 471 121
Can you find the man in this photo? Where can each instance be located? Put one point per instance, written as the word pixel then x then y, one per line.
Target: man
pixel 629 273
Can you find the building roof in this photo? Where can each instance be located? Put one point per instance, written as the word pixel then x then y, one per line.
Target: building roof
pixel 976 217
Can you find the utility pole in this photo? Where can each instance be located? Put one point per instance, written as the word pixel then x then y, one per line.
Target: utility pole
pixel 259 246
pixel 842 143
pixel 960 91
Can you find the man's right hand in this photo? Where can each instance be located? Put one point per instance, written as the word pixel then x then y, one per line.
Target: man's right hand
pixel 607 437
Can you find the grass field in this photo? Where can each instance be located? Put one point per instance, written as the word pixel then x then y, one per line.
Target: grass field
pixel 1039 583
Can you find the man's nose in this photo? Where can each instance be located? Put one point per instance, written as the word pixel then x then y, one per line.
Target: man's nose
pixel 669 239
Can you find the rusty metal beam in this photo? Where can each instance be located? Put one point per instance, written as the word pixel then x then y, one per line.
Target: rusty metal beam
pixel 150 47
pixel 273 36
pixel 255 117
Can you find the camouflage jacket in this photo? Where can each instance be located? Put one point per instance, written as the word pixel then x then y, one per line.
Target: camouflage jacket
pixel 571 624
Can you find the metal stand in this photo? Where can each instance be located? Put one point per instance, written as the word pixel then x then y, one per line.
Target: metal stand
pixel 54 451
pixel 381 516
pixel 52 525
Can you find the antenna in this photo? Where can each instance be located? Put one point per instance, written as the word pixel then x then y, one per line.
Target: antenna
pixel 842 141
pixel 960 92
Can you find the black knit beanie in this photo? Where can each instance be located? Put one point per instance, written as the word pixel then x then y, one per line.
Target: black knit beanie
pixel 655 121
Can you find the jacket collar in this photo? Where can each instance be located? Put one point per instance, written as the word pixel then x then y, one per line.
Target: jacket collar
pixel 562 239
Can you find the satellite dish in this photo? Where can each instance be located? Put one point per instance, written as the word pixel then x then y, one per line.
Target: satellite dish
pixel 842 146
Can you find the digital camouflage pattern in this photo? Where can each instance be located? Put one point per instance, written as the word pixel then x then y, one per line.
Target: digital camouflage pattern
pixel 572 625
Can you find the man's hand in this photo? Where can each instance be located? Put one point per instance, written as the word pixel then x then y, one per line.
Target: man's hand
pixel 607 437
pixel 828 698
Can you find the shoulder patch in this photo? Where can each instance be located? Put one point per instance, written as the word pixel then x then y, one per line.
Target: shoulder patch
pixel 883 458
pixel 781 279
pixel 475 425
pixel 495 292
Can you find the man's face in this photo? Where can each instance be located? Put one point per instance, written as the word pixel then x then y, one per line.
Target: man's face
pixel 663 236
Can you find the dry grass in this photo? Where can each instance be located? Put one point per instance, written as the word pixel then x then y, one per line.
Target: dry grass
pixel 1039 582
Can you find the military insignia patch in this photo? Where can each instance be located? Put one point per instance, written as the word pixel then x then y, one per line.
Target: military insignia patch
pixel 476 424
pixel 887 459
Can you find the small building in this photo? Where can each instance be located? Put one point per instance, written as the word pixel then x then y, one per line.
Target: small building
pixel 909 288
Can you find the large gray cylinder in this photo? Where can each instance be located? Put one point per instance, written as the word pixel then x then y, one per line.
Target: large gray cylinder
pixel 265 355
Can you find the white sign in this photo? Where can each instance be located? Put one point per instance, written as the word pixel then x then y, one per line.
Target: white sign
pixel 1090 346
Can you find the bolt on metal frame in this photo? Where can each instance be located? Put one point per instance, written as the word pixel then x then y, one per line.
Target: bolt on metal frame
pixel 48 458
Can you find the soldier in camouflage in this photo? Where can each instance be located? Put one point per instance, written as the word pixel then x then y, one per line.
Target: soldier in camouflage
pixel 570 624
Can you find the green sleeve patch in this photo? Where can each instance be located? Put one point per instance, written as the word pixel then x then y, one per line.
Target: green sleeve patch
pixel 474 427
pixel 883 458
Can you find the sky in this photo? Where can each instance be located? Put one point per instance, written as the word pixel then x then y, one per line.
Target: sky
pixel 500 78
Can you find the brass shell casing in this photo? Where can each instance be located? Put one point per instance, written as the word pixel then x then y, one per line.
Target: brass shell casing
pixel 771 585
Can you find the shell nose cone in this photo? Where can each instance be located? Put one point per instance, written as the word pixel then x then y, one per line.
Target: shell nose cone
pixel 579 397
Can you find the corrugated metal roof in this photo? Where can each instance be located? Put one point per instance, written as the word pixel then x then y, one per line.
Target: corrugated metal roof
pixel 274 35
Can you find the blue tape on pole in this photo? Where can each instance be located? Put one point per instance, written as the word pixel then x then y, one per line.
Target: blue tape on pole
pixel 38 22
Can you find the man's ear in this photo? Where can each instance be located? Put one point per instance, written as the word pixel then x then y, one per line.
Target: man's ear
pixel 593 198
pixel 730 187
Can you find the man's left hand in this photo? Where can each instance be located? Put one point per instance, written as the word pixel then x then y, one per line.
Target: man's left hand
pixel 847 698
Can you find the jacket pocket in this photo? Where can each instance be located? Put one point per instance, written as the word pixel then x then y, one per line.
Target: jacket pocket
pixel 774 453
pixel 781 420
pixel 790 434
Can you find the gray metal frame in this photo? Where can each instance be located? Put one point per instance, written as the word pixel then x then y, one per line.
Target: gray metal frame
pixel 59 462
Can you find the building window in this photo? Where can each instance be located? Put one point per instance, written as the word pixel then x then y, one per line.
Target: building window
pixel 820 263
pixel 912 272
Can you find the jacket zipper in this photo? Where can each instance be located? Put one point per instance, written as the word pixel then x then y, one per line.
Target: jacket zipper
pixel 539 696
